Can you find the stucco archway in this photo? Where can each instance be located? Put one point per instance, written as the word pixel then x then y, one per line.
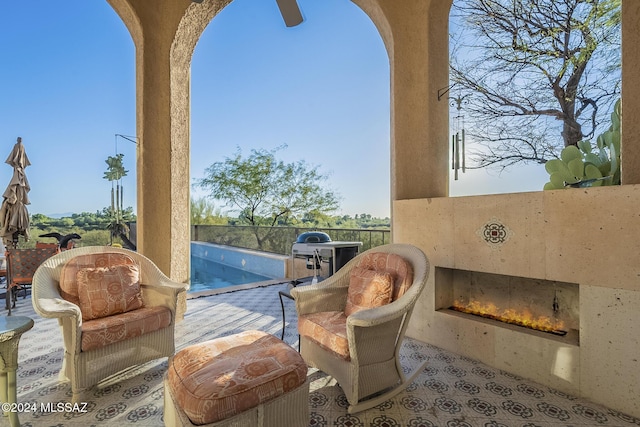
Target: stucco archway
pixel 165 35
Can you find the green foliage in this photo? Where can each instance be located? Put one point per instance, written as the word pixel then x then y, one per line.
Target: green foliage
pixel 93 228
pixel 94 238
pixel 587 166
pixel 268 192
pixel 205 212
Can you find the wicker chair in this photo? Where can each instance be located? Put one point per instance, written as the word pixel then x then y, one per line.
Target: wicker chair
pixel 370 372
pixel 85 366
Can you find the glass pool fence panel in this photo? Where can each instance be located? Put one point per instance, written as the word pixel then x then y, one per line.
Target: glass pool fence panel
pixel 280 239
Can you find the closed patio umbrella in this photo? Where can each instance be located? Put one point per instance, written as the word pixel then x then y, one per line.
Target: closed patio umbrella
pixel 14 216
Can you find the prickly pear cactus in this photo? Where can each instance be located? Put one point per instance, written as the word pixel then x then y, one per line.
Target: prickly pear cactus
pixel 588 166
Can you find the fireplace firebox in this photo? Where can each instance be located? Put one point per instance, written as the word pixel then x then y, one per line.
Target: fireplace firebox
pixel 547 308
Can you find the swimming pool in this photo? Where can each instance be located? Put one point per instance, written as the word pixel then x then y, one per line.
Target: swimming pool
pixel 207 275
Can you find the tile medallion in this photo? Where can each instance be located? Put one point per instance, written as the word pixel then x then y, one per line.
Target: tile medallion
pixel 494 233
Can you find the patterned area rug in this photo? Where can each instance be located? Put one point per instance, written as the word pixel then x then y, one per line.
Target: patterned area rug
pixel 452 391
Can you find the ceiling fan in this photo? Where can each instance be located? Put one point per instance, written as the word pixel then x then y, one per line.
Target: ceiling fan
pixel 288 8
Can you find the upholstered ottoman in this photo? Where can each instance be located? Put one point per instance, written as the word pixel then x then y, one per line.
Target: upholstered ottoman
pixel 248 379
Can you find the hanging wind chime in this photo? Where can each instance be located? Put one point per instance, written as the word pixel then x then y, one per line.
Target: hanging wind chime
pixel 457 139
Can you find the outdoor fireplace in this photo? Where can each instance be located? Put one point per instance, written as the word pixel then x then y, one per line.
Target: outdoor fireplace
pixel 547 245
pixel 531 305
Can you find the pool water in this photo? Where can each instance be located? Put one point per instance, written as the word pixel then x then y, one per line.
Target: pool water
pixel 206 275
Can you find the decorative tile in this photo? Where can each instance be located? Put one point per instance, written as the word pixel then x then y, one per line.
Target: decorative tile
pixel 413 403
pixel 348 421
pixel 383 421
pixel 458 423
pixel 448 405
pixel 494 233
pixel 483 372
pixel 318 420
pixel 143 412
pixel 517 409
pixel 590 414
pixel 467 387
pixel 482 407
pixel 553 411
pixel 455 371
pixel 452 391
pixel 384 406
pixel 317 400
pixel 498 389
pixel 531 391
pixel 420 422
pixel 436 385
pixel 623 417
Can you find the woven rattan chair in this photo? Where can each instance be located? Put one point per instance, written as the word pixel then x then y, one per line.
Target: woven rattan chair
pixel 85 368
pixel 370 372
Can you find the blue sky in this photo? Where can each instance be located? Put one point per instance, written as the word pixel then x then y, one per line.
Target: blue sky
pixel 322 88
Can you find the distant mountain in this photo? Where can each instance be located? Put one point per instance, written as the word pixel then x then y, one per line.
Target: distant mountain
pixel 60 215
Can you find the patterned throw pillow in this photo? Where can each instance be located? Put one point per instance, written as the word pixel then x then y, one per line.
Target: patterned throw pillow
pixel 399 268
pixel 368 289
pixel 104 291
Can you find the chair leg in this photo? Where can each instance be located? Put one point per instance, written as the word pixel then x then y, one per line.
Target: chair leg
pixel 9 299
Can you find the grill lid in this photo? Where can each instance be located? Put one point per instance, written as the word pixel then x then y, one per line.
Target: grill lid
pixel 313 237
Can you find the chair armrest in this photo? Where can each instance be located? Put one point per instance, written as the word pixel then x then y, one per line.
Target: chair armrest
pixel 46 298
pixel 328 295
pixel 316 300
pixel 378 315
pixel 57 308
pixel 164 293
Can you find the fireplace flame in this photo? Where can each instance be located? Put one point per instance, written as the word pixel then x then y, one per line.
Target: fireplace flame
pixel 521 318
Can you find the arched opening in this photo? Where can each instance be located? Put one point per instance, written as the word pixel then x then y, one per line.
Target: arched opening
pixel 321 88
pixel 418 168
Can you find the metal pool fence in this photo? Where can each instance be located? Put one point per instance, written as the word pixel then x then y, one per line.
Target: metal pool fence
pixel 280 239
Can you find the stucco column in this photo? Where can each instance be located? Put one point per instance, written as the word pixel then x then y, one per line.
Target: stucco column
pixel 630 145
pixel 419 62
pixel 163 131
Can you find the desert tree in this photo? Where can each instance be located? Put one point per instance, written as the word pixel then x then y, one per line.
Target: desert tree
pixel 536 75
pixel 268 192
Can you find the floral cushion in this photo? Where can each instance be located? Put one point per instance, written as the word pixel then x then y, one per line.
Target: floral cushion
pixel 223 377
pixel 105 291
pixel 101 332
pixel 69 271
pixel 367 289
pixel 328 329
pixel 399 269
